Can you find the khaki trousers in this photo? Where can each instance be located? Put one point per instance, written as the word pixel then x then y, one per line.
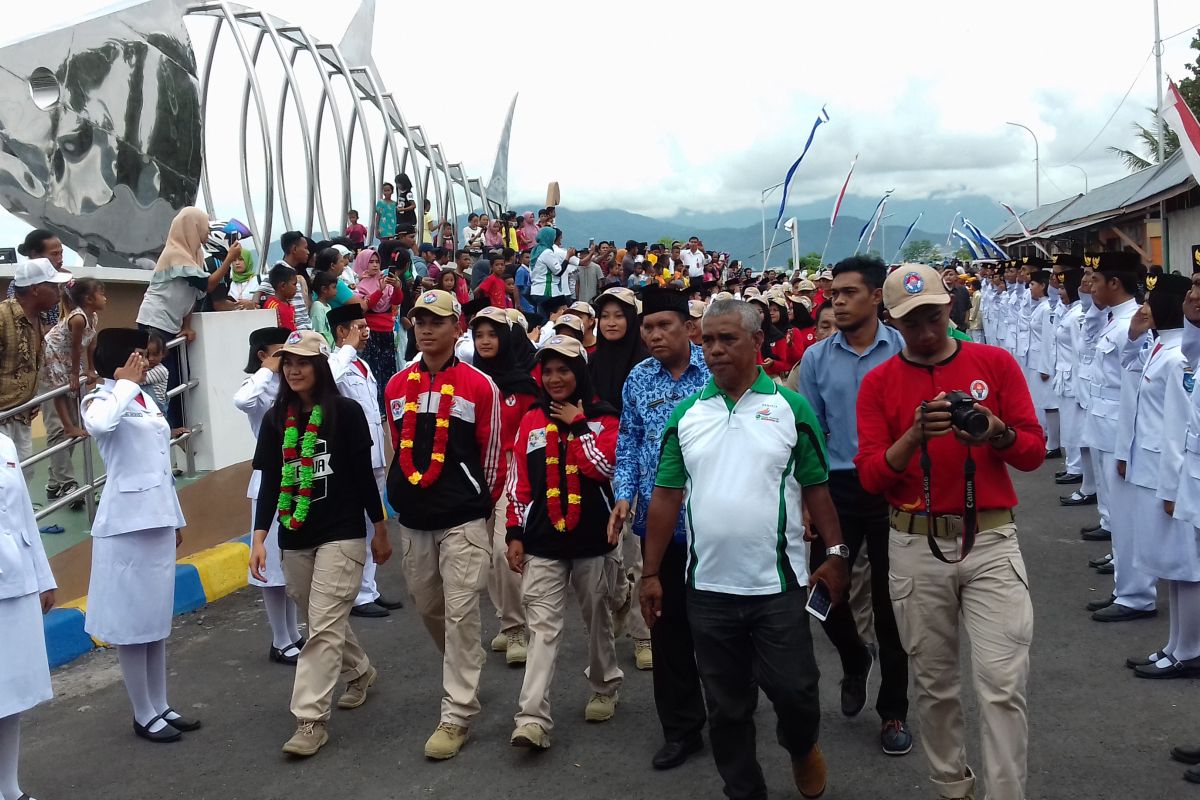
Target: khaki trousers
pixel 989 593
pixel 544 589
pixel 446 571
pixel 323 583
pixel 504 585
pixel 631 561
pixel 860 597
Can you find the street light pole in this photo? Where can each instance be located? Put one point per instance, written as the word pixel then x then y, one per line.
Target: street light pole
pixel 883 232
pixel 762 202
pixel 1037 169
pixel 1085 176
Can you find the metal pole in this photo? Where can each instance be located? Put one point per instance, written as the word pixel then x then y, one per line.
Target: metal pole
pixel 1162 136
pixel 1085 176
pixel 762 203
pixel 1037 168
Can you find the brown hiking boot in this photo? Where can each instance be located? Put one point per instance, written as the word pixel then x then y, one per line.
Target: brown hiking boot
pixel 810 774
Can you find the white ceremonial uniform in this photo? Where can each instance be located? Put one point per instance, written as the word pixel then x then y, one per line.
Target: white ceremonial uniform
pixel 1180 469
pixel 1040 391
pixel 132 591
pixel 356 381
pixel 1063 361
pixel 1108 387
pixel 1164 546
pixel 24 575
pixel 254 398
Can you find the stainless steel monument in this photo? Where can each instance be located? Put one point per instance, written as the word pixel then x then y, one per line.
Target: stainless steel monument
pixel 106 129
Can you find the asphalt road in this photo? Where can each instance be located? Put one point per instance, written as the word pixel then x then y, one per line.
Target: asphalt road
pixel 1095 730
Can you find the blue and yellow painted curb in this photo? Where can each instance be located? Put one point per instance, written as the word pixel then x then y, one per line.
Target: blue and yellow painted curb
pixel 200 579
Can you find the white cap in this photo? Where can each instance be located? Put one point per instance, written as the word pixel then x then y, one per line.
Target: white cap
pixel 38 270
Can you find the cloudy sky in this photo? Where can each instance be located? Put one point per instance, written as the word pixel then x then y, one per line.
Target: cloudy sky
pixel 657 106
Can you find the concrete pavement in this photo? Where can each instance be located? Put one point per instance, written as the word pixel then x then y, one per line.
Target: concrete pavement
pixel 1096 731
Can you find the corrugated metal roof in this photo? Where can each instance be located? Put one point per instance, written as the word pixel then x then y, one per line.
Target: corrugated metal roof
pixel 1036 217
pixel 1175 171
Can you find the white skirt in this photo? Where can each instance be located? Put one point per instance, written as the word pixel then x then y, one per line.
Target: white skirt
pixel 1040 391
pixel 1163 546
pixel 1070 431
pixel 274 569
pixel 24 669
pixel 131 597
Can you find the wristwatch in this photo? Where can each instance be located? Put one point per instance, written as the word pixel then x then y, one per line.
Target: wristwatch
pixel 838 550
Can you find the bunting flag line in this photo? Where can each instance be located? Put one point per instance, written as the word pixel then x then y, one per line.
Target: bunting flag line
pixel 863 233
pixel 987 245
pixel 1025 230
pixel 1181 119
pixel 907 233
pixel 966 240
pixel 822 118
pixel 837 206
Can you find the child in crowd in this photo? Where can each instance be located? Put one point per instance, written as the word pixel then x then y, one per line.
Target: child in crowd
pixel 356 232
pixel 244 285
pixel 493 286
pixel 68 351
pixel 155 382
pixel 523 279
pixel 325 289
pixel 385 214
pixel 283 280
pixel 445 237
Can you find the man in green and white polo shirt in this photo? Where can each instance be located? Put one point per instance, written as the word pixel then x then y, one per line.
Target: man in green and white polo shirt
pixel 747 457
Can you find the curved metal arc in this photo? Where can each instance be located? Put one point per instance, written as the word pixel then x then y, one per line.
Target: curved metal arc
pixel 219 23
pixel 377 96
pixel 424 147
pixel 339 64
pixel 339 130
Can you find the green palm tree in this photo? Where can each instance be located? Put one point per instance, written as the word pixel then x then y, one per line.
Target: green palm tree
pixel 1148 141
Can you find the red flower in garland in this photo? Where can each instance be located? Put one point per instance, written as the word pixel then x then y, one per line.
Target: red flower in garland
pixel 554 499
pixel 408 431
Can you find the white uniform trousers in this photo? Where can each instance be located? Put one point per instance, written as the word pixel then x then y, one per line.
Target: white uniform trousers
pixel 368 592
pixel 1131 587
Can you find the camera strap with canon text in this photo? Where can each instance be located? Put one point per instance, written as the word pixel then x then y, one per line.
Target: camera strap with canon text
pixel 970 519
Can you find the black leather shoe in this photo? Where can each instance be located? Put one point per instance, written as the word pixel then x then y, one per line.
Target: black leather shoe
pixel 1067 479
pixel 1106 569
pixel 1119 613
pixel 1055 453
pixel 280 656
pixel 370 610
pixel 1097 563
pixel 1134 663
pixel 1090 528
pixel 1096 605
pixel 389 603
pixel 673 754
pixel 1174 669
pixel 854 692
pixel 1186 755
pixel 1192 775
pixel 1078 498
pixel 1099 535
pixel 181 723
pixel 167 734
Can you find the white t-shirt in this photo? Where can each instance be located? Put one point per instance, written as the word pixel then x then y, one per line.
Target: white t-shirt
pixel 694 261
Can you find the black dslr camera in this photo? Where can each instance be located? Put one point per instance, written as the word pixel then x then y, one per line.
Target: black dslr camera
pixel 965 416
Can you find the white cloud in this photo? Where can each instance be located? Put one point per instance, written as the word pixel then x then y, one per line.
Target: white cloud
pixel 653 106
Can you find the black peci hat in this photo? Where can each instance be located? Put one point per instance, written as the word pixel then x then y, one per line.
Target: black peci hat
pixel 656 299
pixel 1119 262
pixel 259 341
pixel 344 315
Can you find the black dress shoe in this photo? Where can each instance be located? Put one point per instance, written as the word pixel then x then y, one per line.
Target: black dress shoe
pixel 1186 755
pixel 181 723
pixel 1097 563
pixel 1119 613
pixel 1192 775
pixel 389 603
pixel 1107 569
pixel 370 610
pixel 1134 663
pixel 280 656
pixel 1066 479
pixel 1099 535
pixel 854 691
pixel 1090 528
pixel 673 754
pixel 167 734
pixel 1055 453
pixel 1174 669
pixel 1078 498
pixel 1096 605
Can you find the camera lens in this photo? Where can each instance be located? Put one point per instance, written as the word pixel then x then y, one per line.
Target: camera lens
pixel 970 421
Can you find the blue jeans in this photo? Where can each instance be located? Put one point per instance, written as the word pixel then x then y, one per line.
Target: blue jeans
pixel 743 643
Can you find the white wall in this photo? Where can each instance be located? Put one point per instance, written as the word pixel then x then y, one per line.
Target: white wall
pixel 217 359
pixel 1183 230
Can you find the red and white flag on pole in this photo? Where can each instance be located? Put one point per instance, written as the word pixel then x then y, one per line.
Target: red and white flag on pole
pixel 837 206
pixel 1181 119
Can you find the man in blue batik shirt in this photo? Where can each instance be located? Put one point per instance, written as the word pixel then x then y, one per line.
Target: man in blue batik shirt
pixel 654 387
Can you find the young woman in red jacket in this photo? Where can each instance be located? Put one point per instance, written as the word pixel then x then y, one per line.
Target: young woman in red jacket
pixel 558 509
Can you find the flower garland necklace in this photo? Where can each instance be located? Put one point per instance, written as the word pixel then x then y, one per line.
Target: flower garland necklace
pixel 408 431
pixel 289 517
pixel 554 486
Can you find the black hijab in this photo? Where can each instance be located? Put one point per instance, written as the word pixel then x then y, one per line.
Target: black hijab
pixel 771 334
pixel 503 368
pixel 593 406
pixel 612 361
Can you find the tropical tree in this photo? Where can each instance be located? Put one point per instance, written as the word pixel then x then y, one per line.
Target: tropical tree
pixel 1147 142
pixel 917 251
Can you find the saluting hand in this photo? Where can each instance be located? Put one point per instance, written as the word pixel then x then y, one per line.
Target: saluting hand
pixel 134 369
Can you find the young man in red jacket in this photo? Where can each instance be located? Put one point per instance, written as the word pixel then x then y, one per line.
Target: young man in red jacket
pixel 446 475
pixel 949 409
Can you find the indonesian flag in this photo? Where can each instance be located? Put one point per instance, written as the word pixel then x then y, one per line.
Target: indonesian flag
pixel 837 206
pixel 1181 119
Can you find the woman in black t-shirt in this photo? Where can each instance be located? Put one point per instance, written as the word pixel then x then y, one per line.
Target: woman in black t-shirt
pixel 406 204
pixel 314 455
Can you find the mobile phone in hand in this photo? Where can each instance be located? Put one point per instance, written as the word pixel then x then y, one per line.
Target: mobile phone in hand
pixel 819 601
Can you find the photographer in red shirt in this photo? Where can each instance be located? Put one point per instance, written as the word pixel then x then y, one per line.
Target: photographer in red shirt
pixel 939 424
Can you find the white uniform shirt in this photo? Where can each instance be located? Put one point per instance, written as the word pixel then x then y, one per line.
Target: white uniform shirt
pixel 1180 459
pixel 1066 333
pixel 134 439
pixel 254 398
pixel 1148 427
pixel 356 381
pixel 1100 424
pixel 24 568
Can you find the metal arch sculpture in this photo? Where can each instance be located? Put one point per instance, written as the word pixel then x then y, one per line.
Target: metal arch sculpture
pixel 103 135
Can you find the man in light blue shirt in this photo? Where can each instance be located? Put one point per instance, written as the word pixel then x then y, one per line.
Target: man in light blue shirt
pixel 831 373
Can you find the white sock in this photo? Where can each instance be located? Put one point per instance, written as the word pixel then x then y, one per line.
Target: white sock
pixel 293 620
pixel 1089 472
pixel 133 669
pixel 276 601
pixel 1052 440
pixel 156 677
pixel 1186 606
pixel 10 748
